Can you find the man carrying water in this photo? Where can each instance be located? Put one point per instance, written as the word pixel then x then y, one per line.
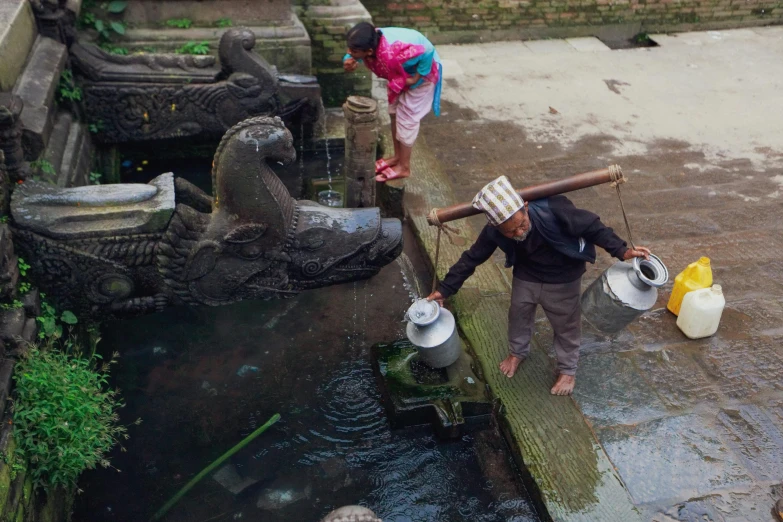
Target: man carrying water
pixel 547 242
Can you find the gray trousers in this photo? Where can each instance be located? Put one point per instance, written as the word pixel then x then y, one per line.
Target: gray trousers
pixel 561 305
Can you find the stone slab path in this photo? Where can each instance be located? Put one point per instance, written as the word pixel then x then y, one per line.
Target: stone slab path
pixel 679 429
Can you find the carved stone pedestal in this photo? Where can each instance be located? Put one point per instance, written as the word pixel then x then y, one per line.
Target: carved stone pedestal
pixel 361 144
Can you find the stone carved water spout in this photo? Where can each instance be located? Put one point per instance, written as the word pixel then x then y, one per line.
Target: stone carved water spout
pixel 124 249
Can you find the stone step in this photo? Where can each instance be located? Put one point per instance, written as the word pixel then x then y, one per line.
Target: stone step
pixel 338 12
pixel 37 87
pixel 55 149
pixel 81 171
pixel 75 166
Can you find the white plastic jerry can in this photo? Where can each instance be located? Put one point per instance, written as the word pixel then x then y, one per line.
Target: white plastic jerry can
pixel 700 312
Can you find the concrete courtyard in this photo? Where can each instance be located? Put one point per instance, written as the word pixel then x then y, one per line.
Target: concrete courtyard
pixel 692 430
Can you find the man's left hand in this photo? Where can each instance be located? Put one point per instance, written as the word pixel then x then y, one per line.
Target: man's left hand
pixel 639 251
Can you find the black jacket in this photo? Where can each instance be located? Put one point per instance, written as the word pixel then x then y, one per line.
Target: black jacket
pixel 536 259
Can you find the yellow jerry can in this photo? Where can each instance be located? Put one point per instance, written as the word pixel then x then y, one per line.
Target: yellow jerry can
pixel 696 276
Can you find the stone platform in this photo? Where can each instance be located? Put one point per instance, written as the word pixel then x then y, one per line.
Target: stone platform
pixel 661 427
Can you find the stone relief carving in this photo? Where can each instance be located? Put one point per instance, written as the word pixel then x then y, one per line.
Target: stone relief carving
pixel 127 249
pixel 55 20
pixel 158 96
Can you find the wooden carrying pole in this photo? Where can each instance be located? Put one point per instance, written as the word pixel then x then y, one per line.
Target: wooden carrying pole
pixel 612 174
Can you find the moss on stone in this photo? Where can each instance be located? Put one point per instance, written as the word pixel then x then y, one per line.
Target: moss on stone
pixel 27 492
pixel 549 436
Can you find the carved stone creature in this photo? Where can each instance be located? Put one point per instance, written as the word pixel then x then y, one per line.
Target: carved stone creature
pixel 122 249
pixel 159 96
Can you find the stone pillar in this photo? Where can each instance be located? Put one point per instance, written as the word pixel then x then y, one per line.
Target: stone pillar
pixel 55 20
pixel 11 137
pixel 361 142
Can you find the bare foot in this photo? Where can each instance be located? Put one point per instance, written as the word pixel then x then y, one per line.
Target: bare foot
pixel 392 161
pixel 779 509
pixel 509 365
pixel 564 385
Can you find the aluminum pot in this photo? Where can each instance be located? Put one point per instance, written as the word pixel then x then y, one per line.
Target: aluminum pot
pixel 622 293
pixel 432 330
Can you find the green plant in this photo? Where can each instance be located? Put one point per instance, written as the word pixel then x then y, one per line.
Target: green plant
pixel 180 23
pixel 65 415
pixel 96 127
pixel 68 88
pixel 23 267
pixel 3 219
pixel 641 38
pixel 16 303
pixel 44 166
pixel 206 471
pixel 112 49
pixel 224 22
pixel 24 287
pixel 194 48
pixel 95 178
pixel 102 21
pixel 50 322
pixel 16 464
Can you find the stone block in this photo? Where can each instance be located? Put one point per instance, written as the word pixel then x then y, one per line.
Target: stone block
pixel 206 12
pixel 95 210
pixel 676 376
pixel 755 438
pixel 37 87
pixel 6 372
pixel 550 46
pixel 11 325
pixel 17 35
pixel 31 302
pixel 30 331
pixel 626 398
pixel 673 459
pixel 390 198
pixel 587 44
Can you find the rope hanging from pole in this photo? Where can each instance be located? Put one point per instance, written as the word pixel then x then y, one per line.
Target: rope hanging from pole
pixel 618 179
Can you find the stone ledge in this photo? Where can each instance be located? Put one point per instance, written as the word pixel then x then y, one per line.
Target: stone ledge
pixel 17 35
pixel 556 449
pixel 286 46
pixel 37 87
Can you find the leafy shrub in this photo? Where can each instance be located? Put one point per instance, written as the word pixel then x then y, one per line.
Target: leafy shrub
pixel 65 415
pixel 180 23
pixel 194 48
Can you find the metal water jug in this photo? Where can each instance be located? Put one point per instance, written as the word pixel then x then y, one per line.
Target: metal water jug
pixel 623 292
pixel 432 330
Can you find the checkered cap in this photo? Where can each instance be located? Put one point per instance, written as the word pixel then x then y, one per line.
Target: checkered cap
pixel 498 200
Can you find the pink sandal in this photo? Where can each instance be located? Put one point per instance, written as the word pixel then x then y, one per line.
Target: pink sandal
pixel 388 175
pixel 381 165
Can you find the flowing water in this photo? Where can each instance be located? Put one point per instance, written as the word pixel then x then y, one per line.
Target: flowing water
pixel 203 378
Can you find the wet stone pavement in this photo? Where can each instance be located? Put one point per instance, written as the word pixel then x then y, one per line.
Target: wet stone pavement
pixel 695 428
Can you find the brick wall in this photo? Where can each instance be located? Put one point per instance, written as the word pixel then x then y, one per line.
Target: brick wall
pixel 485 20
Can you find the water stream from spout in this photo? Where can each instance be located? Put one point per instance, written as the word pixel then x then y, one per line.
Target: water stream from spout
pixel 410 281
pixel 301 157
pixel 325 137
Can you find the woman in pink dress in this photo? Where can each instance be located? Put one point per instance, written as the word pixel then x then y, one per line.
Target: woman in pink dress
pixel 412 67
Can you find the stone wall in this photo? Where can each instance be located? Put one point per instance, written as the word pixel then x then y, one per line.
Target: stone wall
pixel 327 22
pixel 19 501
pixel 462 21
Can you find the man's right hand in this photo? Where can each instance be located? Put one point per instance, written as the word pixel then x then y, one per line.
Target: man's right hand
pixel 436 296
pixel 350 65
